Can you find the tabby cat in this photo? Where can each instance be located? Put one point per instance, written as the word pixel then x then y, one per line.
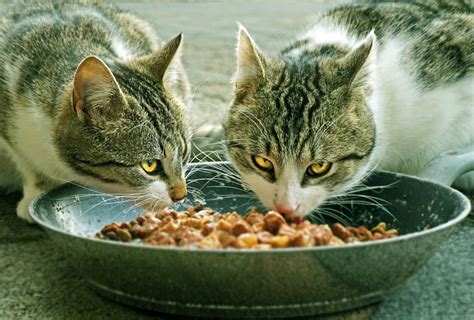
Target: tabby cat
pixel 378 85
pixel 89 94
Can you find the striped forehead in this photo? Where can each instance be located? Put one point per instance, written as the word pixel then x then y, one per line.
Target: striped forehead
pixel 296 101
pixel 152 100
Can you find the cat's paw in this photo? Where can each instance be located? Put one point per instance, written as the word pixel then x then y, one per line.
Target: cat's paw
pixel 465 183
pixel 22 209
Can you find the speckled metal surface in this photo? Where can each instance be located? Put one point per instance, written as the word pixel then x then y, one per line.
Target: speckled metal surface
pixel 246 283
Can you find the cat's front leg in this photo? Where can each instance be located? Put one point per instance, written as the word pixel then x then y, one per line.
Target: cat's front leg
pixel 31 189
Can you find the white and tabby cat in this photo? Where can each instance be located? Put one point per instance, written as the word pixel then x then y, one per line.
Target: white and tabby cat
pixel 85 96
pixel 387 85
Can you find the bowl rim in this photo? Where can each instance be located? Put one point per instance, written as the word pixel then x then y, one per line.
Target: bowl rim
pixel 465 210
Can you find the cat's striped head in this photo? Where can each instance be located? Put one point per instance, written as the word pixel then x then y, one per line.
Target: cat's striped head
pixel 299 128
pixel 124 130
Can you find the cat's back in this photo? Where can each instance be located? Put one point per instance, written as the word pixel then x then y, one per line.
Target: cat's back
pixel 72 29
pixel 434 37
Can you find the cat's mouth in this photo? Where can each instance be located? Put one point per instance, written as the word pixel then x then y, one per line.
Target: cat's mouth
pixel 296 214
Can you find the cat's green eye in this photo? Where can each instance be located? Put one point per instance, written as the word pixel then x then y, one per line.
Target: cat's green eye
pixel 262 163
pixel 319 169
pixel 152 166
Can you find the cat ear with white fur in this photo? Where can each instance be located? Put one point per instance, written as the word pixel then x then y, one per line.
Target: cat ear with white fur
pixel 357 64
pixel 250 62
pixel 161 62
pixel 96 93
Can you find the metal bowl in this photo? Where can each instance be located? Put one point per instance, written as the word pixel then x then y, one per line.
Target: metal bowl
pixel 249 283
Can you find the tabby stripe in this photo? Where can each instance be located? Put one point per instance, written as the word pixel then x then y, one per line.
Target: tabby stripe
pixel 316 105
pixel 278 141
pixel 94 174
pixel 148 100
pixel 280 81
pixel 103 164
pixel 284 98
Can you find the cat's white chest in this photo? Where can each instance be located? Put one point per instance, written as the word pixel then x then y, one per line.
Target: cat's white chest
pixel 33 141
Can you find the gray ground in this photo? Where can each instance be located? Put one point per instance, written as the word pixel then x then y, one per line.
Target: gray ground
pixel 36 281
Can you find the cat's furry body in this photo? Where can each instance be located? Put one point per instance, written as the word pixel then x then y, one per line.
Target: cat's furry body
pixel 392 100
pixel 130 110
pixel 422 78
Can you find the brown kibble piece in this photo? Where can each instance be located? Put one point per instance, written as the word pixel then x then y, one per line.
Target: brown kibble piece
pixel 353 231
pixel 192 222
pixel 208 228
pixel 364 233
pixel 211 242
pixel 224 225
pixel 321 235
pixel 340 231
pixel 254 217
pixel 299 239
pixel 160 238
pixel 380 228
pixel 377 235
pixel 336 241
pixel 170 227
pixel 280 241
pixel 273 221
pixel 124 235
pixel 246 240
pixel 286 230
pixel 258 227
pixel 241 227
pixel 391 233
pixel 265 237
pixel 225 238
pixel 351 239
pixel 142 231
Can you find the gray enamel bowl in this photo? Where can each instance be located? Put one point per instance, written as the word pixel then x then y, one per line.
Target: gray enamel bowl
pixel 248 283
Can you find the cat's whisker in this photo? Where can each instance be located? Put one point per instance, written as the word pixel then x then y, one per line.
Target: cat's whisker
pixel 316 217
pixel 256 121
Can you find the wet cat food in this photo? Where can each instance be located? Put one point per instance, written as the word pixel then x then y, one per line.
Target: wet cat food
pixel 200 227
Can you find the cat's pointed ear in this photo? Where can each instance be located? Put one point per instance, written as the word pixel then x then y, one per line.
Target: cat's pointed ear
pixel 357 63
pixel 161 62
pixel 250 62
pixel 96 93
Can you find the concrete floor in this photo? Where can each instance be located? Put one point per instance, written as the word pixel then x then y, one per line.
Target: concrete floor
pixel 36 282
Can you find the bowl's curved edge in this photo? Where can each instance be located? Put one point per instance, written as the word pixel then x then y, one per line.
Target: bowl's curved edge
pixel 465 203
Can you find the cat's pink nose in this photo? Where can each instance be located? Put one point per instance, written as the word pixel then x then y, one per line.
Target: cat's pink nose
pixel 285 210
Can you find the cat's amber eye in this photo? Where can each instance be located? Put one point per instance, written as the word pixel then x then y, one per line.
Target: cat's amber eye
pixel 262 163
pixel 152 166
pixel 319 169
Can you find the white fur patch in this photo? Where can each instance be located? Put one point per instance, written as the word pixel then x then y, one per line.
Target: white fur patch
pixel 418 125
pixel 158 196
pixel 121 50
pixel 287 191
pixel 329 34
pixel 33 143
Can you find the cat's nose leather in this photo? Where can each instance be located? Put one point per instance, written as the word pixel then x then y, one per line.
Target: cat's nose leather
pixel 178 193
